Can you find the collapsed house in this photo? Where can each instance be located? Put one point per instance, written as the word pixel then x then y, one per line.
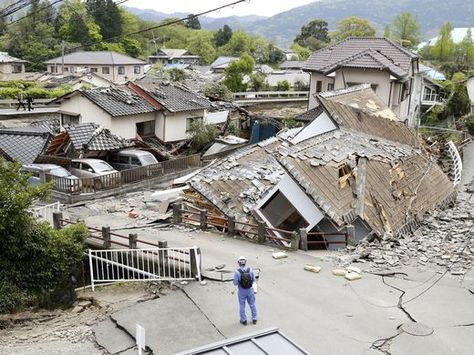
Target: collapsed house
pixel 353 165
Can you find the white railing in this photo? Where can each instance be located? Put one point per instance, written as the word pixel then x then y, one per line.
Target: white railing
pixel 252 95
pixel 156 264
pixel 457 162
pixel 46 212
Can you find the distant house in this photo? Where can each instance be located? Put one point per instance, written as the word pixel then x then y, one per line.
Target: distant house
pixel 179 106
pixel 173 56
pixel 293 65
pixel 118 109
pixel 113 66
pixel 470 91
pixel 75 81
pixel 390 69
pixel 219 65
pixel 11 65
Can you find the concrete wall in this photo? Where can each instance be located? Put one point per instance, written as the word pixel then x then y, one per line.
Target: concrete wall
pixel 172 126
pixel 7 68
pixel 315 77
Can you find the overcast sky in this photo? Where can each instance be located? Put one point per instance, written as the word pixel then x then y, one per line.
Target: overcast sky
pixel 250 7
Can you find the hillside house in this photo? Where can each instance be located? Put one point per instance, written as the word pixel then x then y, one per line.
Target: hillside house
pixel 113 66
pixel 11 65
pixel 167 56
pixel 179 108
pixel 221 63
pixel 391 70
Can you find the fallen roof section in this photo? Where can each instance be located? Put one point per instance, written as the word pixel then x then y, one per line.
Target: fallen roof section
pixel 269 341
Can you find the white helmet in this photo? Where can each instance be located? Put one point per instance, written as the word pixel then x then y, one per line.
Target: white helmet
pixel 242 260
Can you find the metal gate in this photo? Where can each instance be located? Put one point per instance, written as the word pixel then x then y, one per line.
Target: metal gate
pixel 46 212
pixel 160 264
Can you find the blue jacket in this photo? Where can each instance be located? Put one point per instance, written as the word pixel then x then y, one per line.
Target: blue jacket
pixel 237 277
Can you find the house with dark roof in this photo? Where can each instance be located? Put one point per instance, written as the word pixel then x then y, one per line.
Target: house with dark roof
pixel 11 65
pixel 219 65
pixel 24 144
pixel 179 108
pixel 119 109
pixel 391 70
pixel 355 167
pixel 115 67
pixel 167 56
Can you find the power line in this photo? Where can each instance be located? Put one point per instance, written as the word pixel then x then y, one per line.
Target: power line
pixel 35 12
pixel 164 24
pixel 15 7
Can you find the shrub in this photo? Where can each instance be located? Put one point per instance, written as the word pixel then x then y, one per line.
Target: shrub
pixel 12 299
pixel 283 85
pixel 469 123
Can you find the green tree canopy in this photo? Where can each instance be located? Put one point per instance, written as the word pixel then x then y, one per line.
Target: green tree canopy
pixel 192 22
pixel 406 30
pixel 353 27
pixel 223 36
pixel 36 262
pixel 444 47
pixel 465 52
pixel 313 35
pixel 107 16
pixel 234 73
pixel 302 52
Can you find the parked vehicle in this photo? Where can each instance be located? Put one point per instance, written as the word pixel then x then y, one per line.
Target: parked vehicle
pixel 99 170
pixel 41 173
pixel 131 158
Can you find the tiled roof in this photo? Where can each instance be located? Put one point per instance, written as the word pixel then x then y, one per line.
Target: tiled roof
pixel 397 178
pixel 176 98
pixel 24 144
pixel 309 115
pixel 360 109
pixel 6 58
pixel 118 101
pixel 97 58
pixel 365 52
pixel 91 136
pixel 292 64
pixel 52 125
pixel 222 62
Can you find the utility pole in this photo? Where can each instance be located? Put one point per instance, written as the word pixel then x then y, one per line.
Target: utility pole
pixel 62 57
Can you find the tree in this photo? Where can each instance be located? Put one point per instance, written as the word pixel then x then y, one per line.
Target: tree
pixel 313 35
pixel 465 51
pixel 387 33
pixel 406 30
pixel 444 46
pixel 302 52
pixel 235 72
pixel 223 36
pixel 218 91
pixel 202 134
pixel 192 22
pixel 200 44
pixel 241 42
pixel 258 82
pixel 36 262
pixel 353 27
pixel 106 15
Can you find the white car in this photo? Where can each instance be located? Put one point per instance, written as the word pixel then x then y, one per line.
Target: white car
pixel 96 169
pixel 41 173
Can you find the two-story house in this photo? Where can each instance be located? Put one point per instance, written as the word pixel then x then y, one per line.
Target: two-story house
pixel 11 65
pixel 115 67
pixel 391 70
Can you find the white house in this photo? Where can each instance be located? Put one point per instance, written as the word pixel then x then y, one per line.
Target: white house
pixel 173 56
pixel 11 65
pixel 113 66
pixel 390 69
pixel 470 91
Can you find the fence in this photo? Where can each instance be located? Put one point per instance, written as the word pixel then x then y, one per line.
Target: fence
pixel 161 264
pixel 14 103
pixel 114 180
pixel 285 238
pixel 46 212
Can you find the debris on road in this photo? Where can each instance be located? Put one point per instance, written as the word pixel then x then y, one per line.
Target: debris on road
pixel 339 272
pixel 279 255
pixel 352 276
pixel 312 268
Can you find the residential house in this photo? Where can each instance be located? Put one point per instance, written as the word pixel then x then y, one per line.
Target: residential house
pixel 122 111
pixel 292 65
pixel 179 106
pixel 354 165
pixel 74 81
pixel 11 65
pixel 219 65
pixel 115 67
pixel 432 91
pixel 24 144
pixel 166 56
pixel 470 91
pixel 390 69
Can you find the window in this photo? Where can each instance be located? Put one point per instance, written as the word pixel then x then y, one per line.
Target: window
pixel 69 119
pixel 136 69
pixel 93 70
pixel 124 159
pixel 319 86
pixel 330 86
pixel 52 69
pixel 190 121
pixel 105 70
pixel 76 165
pixel 86 167
pixel 135 161
pixel 121 70
pixel 146 129
pixel 66 69
pixel 16 68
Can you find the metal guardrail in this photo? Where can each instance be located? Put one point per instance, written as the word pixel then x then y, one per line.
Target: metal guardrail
pixel 46 212
pixel 114 180
pixel 251 95
pixel 159 264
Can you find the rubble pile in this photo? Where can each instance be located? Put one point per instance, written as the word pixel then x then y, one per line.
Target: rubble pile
pixel 445 238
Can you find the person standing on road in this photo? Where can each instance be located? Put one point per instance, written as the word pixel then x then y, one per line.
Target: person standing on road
pixel 244 278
